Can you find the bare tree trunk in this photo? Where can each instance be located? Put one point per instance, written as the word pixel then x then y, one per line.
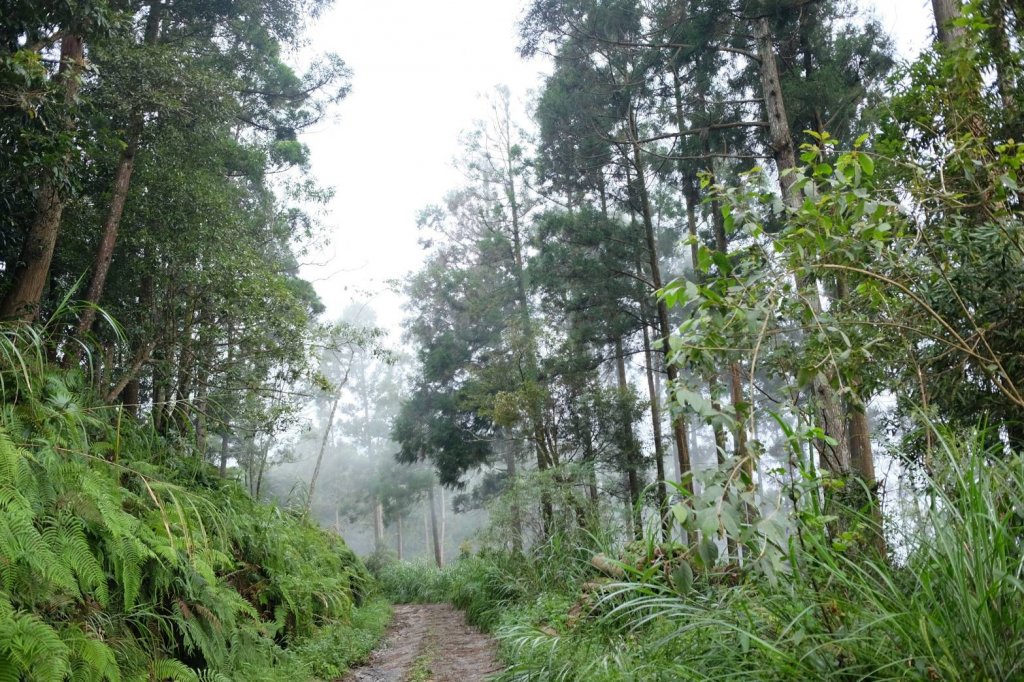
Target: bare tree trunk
pixel 678 423
pixel 186 363
pixel 32 268
pixel 946 13
pixel 226 431
pixel 320 454
pixel 262 467
pixel 224 438
pixel 399 547
pixel 996 14
pixel 831 417
pixel 545 458
pixel 105 251
pixel 629 507
pixel 735 374
pixel 130 396
pixel 444 523
pixel 159 398
pixel 141 358
pixel 659 445
pixel 517 518
pixel 378 526
pixel 119 193
pixel 720 444
pixel 434 530
pixel 631 458
pixel 426 532
pixel 201 407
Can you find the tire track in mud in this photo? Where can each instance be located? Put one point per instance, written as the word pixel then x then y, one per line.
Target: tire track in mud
pixel 430 642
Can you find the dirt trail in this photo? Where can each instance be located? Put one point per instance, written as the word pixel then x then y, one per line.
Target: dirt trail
pixel 430 642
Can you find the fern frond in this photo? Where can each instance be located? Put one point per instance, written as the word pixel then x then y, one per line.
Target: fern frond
pixel 33 648
pixel 78 556
pixel 172 670
pixel 91 659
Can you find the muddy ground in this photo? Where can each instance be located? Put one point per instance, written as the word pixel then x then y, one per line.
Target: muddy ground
pixel 430 642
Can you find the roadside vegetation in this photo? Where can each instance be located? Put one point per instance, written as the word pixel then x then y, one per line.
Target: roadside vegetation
pixel 728 346
pixel 125 557
pixel 947 607
pixel 841 333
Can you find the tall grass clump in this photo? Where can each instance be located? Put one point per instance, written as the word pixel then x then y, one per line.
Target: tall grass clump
pixel 122 558
pixel 810 601
pixel 414 582
pixel 948 604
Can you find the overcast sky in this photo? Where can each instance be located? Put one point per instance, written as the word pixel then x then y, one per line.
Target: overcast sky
pixel 419 69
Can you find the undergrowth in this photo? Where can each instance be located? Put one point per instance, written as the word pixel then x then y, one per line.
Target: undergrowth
pixel 122 558
pixel 948 604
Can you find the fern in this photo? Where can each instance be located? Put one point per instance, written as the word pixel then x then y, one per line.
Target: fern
pixel 33 648
pixel 171 670
pixel 78 556
pixel 122 571
pixel 91 659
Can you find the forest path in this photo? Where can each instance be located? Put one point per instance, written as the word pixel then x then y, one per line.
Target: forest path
pixel 430 642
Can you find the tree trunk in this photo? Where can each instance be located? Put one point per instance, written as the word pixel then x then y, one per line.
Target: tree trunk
pixel 996 14
pixel 735 374
pixel 159 398
pixel 224 442
pixel 629 508
pixel 119 193
pixel 226 430
pixel 831 419
pixel 544 459
pixel 630 456
pixel 378 526
pixel 320 454
pixel 434 530
pixel 130 396
pixel 105 251
pixel 202 398
pixel 426 533
pixel 261 467
pixel 141 358
pixel 399 547
pixel 186 364
pixel 32 268
pixel 659 445
pixel 678 422
pixel 946 13
pixel 444 523
pixel 517 516
pixel 720 444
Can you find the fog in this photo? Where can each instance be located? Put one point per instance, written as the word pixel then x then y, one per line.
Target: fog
pixel 361 491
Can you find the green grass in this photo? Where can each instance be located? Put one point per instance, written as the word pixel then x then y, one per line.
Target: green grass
pixel 949 607
pixel 336 648
pixel 421 667
pixel 415 582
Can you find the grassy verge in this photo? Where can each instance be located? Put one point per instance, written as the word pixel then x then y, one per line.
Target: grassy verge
pixel 948 606
pixel 336 648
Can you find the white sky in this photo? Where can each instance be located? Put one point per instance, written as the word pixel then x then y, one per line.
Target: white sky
pixel 419 70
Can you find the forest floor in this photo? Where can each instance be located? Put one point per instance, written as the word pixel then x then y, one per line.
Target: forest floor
pixel 430 642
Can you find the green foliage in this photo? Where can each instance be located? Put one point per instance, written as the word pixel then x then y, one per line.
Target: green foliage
pixel 122 560
pixel 404 582
pixel 948 606
pixel 340 645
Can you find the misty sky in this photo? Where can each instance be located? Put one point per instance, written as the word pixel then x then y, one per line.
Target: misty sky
pixel 419 70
